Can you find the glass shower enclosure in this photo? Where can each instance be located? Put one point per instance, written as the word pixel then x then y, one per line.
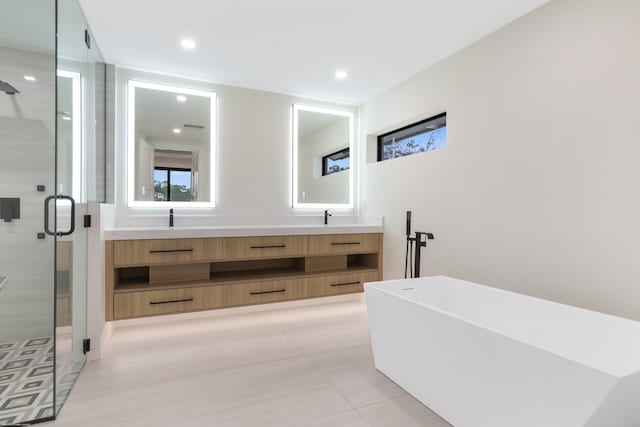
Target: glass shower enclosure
pixel 52 81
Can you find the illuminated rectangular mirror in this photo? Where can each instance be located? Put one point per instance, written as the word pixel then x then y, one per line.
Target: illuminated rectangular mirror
pixel 322 158
pixel 171 146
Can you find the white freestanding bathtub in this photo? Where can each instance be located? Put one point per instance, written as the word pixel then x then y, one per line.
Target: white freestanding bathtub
pixel 484 357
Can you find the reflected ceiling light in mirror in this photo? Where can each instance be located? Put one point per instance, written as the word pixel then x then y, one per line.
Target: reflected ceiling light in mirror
pixel 341 74
pixel 176 130
pixel 188 44
pixel 181 98
pixel 30 78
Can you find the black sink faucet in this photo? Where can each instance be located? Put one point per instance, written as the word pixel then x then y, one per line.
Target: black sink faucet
pixel 326 217
pixel 171 217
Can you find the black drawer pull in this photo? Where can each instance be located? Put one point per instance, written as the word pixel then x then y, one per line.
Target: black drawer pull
pixel 168 251
pixel 268 246
pixel 171 302
pixel 267 292
pixel 344 243
pixel 345 284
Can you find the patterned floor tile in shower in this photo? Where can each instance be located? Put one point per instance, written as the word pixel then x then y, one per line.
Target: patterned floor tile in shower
pixel 26 377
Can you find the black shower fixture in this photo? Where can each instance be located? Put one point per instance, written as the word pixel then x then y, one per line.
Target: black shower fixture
pixel 420 239
pixel 7 88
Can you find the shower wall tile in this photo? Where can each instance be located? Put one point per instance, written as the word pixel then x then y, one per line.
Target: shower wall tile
pixel 27 147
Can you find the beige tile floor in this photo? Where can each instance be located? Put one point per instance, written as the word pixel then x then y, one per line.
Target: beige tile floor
pixel 294 366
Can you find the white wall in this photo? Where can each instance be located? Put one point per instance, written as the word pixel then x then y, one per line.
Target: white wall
pixel 253 157
pixel 537 189
pixel 332 188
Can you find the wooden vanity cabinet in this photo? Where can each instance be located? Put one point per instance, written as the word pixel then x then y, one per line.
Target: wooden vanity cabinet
pixel 166 251
pixel 343 243
pixel 265 247
pixel 167 276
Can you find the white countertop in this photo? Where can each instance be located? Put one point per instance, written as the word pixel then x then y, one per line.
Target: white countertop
pixel 186 232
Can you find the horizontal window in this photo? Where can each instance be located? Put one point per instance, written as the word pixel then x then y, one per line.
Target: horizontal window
pixel 335 162
pixel 425 135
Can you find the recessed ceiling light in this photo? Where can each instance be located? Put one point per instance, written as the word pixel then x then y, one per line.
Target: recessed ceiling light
pixel 341 74
pixel 181 98
pixel 176 130
pixel 30 78
pixel 188 44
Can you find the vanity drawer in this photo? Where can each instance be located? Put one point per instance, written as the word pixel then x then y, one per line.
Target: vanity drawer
pixel 266 291
pixel 151 303
pixel 265 247
pixel 164 251
pixel 339 283
pixel 343 243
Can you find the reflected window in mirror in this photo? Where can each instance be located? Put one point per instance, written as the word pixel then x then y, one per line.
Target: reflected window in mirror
pixel 171 146
pixel 171 185
pixel 322 147
pixel 336 162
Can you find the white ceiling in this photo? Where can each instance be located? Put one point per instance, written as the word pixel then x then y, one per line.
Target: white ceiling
pixel 158 113
pixel 295 46
pixel 310 121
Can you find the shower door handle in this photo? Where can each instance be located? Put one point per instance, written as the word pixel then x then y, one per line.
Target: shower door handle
pixel 72 225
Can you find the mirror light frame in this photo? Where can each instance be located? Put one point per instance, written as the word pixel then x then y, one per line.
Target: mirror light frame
pixel 297 204
pixel 78 190
pixel 131 147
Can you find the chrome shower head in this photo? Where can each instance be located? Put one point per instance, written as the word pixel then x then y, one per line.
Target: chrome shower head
pixel 7 88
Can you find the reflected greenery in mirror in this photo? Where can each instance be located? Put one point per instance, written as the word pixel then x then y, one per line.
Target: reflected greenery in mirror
pixel 170 145
pixel 322 163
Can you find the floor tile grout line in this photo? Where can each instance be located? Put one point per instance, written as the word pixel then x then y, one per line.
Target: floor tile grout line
pixel 324 374
pixel 431 415
pixel 363 418
pixel 298 424
pixel 333 386
pixel 282 331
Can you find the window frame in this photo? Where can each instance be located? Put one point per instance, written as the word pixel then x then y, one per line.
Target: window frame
pixel 409 126
pixel 325 172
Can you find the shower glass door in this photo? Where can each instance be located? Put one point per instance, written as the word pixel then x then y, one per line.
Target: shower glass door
pixel 70 208
pixel 27 177
pixel 51 169
pixel 80 106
